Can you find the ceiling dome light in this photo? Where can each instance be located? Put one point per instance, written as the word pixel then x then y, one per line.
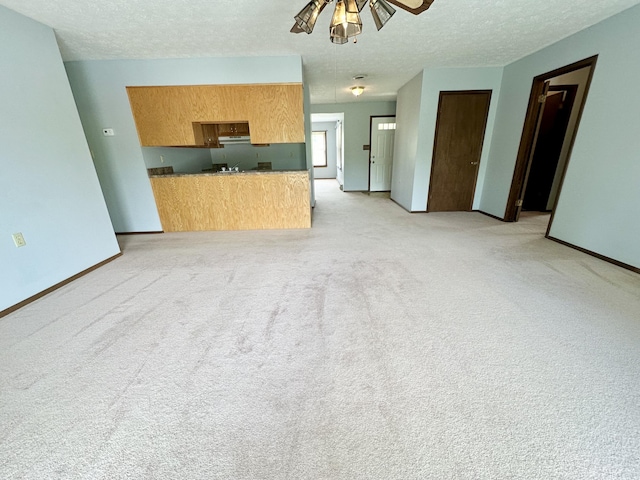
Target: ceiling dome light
pixel 357 91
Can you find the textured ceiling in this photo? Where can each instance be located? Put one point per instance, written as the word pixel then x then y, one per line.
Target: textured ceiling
pixel 452 33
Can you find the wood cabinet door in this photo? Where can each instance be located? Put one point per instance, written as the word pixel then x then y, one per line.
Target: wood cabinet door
pixel 276 113
pixel 233 129
pixel 165 116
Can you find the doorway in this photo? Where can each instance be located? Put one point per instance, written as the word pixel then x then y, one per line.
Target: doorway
pixel 548 147
pixel 556 103
pixel 332 124
pixel 460 128
pixel 381 140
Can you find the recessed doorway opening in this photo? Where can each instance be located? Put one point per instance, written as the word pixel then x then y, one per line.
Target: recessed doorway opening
pixel 328 161
pixel 556 103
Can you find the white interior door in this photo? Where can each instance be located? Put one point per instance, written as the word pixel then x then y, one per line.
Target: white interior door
pixel 383 130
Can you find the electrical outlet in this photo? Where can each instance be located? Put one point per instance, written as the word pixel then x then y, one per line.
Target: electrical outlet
pixel 108 132
pixel 18 239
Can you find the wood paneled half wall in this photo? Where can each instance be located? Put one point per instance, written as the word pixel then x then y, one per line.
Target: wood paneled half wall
pixel 235 201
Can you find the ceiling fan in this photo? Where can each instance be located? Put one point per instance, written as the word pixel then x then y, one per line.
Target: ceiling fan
pixel 346 22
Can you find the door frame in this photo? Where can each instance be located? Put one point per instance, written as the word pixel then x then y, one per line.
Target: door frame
pixel 529 133
pixel 368 147
pixel 435 138
pixel 572 91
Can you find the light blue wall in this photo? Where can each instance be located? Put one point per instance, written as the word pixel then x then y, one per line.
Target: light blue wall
pixel 330 171
pixel 408 128
pixel 183 160
pixel 49 190
pixel 599 204
pixel 99 88
pixel 356 134
pixel 418 111
pixel 307 135
pixel 284 156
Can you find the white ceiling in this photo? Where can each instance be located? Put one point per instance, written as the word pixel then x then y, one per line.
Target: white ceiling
pixel 452 33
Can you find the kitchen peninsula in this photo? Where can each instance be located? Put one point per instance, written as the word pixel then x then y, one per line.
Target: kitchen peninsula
pixel 208 117
pixel 253 200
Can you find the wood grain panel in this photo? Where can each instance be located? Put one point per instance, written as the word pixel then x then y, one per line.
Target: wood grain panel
pixel 276 114
pixel 164 116
pixel 233 202
pixel 414 6
pixel 460 128
pixel 157 117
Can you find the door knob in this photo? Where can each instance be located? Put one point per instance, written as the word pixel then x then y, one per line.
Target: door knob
pixel 474 163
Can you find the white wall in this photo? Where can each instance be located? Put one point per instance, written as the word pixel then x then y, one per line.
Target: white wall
pixel 599 204
pixel 331 170
pixel 414 167
pixel 356 130
pixel 99 90
pixel 49 190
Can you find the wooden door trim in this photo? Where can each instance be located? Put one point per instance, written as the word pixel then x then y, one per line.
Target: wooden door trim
pixel 528 132
pixel 572 91
pixel 371 117
pixel 435 138
pixel 537 111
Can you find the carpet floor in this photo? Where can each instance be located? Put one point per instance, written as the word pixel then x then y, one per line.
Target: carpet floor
pixel 377 345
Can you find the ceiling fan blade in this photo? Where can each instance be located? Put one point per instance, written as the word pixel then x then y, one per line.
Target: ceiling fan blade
pixel 413 6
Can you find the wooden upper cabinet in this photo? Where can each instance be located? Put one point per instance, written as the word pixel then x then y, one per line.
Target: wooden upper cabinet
pixel 232 129
pixel 206 135
pixel 165 116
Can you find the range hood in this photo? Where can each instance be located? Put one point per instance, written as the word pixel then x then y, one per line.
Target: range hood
pixel 234 140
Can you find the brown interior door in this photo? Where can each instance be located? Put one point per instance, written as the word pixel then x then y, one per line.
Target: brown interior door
pixel 553 129
pixel 460 127
pixel 540 109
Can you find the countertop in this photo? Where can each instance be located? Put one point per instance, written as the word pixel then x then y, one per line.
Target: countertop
pixel 228 174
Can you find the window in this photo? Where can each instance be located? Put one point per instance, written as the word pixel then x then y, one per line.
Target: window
pixel 319 148
pixel 386 126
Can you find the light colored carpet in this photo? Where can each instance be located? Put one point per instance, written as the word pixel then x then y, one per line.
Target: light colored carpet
pixel 377 345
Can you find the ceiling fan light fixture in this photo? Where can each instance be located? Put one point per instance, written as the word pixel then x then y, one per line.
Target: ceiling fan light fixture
pixel 360 4
pixel 346 21
pixel 357 91
pixel 337 40
pixel 306 18
pixel 381 12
